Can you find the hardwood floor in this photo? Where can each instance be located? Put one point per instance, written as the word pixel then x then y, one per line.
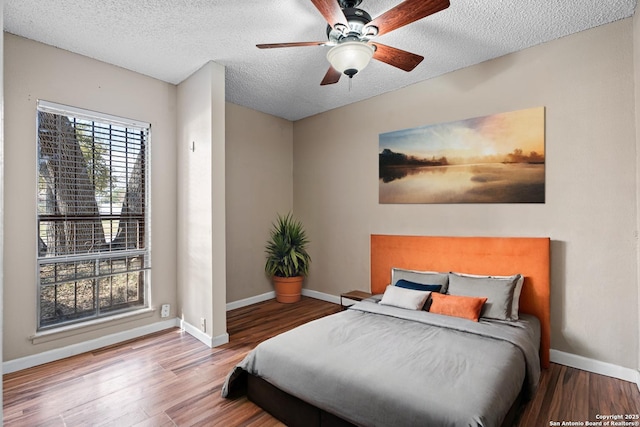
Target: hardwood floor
pixel 170 378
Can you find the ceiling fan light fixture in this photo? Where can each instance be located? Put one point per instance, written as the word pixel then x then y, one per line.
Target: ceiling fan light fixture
pixel 350 57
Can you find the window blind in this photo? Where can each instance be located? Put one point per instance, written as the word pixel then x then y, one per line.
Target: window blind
pixel 93 240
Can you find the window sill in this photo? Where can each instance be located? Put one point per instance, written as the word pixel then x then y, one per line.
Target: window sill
pixel 89 326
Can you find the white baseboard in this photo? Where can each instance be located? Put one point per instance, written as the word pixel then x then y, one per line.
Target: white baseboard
pixel 251 300
pixel 83 347
pixel 321 295
pixel 202 337
pixel 271 295
pixel 595 366
pixel 557 356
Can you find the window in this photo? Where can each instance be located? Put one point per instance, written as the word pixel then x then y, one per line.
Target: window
pixel 92 215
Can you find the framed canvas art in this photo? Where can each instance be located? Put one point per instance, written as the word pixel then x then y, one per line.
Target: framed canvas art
pixel 492 159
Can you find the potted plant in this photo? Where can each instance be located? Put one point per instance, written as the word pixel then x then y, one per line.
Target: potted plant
pixel 287 258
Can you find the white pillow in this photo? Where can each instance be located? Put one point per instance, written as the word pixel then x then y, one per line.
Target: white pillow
pixel 404 298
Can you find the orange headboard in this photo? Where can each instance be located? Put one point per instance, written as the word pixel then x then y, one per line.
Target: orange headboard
pixel 528 256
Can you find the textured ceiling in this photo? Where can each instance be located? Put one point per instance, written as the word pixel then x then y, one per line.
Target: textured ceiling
pixel 170 39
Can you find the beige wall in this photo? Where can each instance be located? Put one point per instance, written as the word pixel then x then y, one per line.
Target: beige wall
pixel 586 83
pixel 636 61
pixel 36 71
pixel 201 200
pixel 259 185
pixel 1 185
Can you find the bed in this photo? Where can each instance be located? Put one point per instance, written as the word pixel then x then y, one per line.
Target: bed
pixel 379 364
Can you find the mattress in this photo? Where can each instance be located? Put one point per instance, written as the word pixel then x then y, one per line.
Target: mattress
pixel 376 365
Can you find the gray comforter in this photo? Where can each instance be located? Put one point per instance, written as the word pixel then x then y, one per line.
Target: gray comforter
pixel 378 365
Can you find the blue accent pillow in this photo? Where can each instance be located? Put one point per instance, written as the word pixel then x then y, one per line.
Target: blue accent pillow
pixel 417 286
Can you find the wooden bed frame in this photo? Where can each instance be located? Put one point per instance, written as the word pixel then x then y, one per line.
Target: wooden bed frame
pixel 474 255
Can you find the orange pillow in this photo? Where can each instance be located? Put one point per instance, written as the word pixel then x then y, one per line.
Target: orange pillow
pixel 457 305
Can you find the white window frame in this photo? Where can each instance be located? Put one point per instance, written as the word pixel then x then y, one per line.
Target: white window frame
pixel 110 263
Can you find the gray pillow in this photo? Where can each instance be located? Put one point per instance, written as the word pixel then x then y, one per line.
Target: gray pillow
pixel 515 304
pixel 499 293
pixel 422 277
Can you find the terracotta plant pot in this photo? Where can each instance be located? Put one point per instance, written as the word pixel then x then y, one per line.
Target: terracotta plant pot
pixel 288 289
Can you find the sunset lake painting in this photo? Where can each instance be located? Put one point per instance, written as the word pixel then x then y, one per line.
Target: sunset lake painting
pixel 493 159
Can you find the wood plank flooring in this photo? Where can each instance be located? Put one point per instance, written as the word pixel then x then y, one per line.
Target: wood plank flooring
pixel 170 378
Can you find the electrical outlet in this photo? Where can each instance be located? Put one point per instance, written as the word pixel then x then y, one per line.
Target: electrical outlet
pixel 203 324
pixel 164 311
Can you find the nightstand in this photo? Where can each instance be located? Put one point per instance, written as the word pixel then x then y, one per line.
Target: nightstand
pixel 354 296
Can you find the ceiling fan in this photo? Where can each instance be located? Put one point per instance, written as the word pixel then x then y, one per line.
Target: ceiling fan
pixel 351 30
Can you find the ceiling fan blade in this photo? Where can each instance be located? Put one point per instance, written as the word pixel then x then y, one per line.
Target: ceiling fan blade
pixel 294 44
pixel 405 13
pixel 399 58
pixel 331 11
pixel 331 77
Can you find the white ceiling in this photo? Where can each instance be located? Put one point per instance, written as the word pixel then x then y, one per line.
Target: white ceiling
pixel 170 39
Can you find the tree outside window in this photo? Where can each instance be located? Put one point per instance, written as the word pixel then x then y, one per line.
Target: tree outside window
pixel 93 249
